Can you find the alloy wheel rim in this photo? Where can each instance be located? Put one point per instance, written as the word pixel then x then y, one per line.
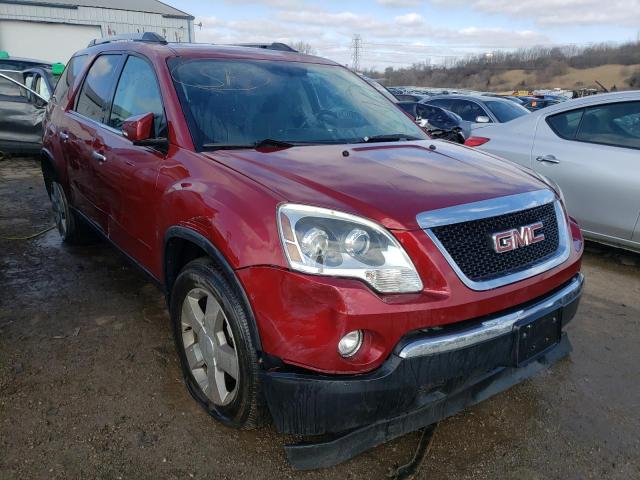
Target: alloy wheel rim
pixel 60 208
pixel 210 347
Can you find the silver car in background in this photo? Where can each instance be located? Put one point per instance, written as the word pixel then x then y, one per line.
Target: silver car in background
pixel 589 147
pixel 479 110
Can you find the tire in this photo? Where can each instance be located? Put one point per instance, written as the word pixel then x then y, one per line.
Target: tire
pixel 72 229
pixel 213 340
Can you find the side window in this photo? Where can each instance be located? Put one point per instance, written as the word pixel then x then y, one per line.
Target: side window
pixel 74 67
pixel 615 124
pixel 11 92
pixel 137 93
pixel 442 103
pixel 566 124
pixel 95 94
pixel 469 111
pixel 28 80
pixel 41 88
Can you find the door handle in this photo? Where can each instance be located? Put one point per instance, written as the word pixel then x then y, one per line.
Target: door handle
pixel 98 157
pixel 548 159
pixel 64 137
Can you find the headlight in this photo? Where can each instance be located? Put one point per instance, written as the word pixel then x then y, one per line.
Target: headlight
pixel 325 242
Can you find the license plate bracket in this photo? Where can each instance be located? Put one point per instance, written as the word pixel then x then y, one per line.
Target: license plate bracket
pixel 536 336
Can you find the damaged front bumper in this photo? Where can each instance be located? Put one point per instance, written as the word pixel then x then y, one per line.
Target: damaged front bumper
pixel 430 376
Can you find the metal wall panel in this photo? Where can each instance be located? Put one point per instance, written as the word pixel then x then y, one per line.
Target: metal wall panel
pixel 110 21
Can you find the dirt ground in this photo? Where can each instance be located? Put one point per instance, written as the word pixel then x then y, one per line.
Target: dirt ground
pixel 90 386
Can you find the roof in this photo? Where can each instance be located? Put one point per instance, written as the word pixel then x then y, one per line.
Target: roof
pixel 459 96
pixel 147 6
pixel 579 102
pixel 204 50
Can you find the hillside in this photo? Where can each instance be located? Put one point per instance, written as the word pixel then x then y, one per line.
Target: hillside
pixel 574 78
pixel 567 67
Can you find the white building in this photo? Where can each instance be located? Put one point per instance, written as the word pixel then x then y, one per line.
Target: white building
pixel 54 30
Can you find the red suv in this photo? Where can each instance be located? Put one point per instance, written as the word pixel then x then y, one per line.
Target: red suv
pixel 325 263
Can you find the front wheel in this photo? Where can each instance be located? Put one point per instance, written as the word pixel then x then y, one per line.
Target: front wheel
pixel 213 340
pixel 71 228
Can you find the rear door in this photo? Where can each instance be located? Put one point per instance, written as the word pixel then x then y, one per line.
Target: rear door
pixel 129 173
pixel 82 138
pixel 593 154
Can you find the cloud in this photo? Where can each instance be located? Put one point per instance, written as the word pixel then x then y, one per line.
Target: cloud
pixel 410 19
pixel 559 12
pixel 399 3
pixel 403 39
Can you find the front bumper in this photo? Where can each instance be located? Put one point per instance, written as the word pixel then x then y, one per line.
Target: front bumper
pixel 428 377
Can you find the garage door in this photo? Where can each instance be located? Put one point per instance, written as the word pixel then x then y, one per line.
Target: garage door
pixel 52 42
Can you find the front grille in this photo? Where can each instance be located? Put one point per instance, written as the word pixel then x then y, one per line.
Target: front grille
pixel 470 244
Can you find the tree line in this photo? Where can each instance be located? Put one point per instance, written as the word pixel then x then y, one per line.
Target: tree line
pixel 481 71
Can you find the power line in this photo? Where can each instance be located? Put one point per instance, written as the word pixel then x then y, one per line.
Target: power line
pixel 356 48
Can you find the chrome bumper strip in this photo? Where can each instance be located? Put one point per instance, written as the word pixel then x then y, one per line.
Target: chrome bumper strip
pixel 493 327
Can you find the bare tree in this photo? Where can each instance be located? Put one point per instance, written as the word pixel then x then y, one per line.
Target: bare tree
pixel 540 65
pixel 304 47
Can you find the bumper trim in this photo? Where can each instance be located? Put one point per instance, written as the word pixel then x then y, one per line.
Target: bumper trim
pixel 308 456
pixel 493 327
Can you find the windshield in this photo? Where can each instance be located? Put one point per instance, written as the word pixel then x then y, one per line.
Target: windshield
pixel 243 102
pixel 506 111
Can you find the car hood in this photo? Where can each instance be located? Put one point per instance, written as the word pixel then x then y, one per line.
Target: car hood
pixel 389 183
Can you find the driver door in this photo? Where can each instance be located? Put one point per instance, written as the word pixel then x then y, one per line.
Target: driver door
pixel 130 171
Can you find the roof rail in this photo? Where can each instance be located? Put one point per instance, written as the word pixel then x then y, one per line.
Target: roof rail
pixel 283 47
pixel 150 37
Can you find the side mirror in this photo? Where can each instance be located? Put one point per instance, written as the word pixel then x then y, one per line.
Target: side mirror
pixel 139 129
pixel 483 119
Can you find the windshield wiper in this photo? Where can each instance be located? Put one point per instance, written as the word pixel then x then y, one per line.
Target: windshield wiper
pixel 390 137
pixel 267 142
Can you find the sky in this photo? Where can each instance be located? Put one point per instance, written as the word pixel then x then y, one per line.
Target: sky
pixel 396 33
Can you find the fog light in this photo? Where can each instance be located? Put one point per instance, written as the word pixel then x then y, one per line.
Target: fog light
pixel 350 343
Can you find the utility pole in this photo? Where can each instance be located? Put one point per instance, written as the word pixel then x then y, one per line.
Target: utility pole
pixel 356 47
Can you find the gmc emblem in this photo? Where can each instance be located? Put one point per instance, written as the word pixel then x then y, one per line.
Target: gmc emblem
pixel 517 238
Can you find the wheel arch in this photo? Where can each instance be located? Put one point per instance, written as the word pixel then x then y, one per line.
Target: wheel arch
pixel 181 245
pixel 49 170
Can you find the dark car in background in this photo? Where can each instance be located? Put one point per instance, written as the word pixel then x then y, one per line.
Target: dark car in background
pixel 438 122
pixel 23 97
pixel 21 113
pixel 479 110
pixel 8 62
pixel 43 79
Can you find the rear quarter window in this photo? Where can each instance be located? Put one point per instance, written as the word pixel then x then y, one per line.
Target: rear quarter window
pixel 615 124
pixel 74 67
pixel 566 124
pixel 506 111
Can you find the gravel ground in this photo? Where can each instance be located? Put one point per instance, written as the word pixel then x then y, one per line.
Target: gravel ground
pixel 90 386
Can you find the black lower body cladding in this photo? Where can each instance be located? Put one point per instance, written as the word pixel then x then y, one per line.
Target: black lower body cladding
pixel 406 394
